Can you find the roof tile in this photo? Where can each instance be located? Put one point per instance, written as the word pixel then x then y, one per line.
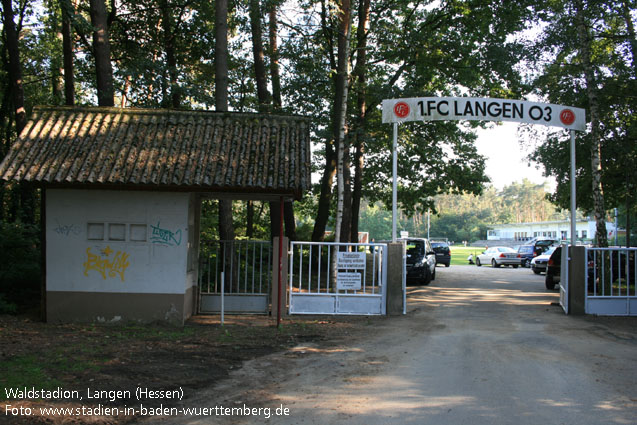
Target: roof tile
pixel 199 150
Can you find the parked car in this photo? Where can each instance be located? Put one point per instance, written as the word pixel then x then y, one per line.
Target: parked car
pixel 553 268
pixel 618 267
pixel 527 253
pixel 499 256
pixel 443 253
pixel 421 261
pixel 540 246
pixel 538 264
pixel 534 248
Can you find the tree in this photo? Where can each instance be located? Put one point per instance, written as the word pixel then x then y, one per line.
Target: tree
pixel 593 70
pixel 102 54
pixel 67 48
pixel 340 117
pixel 226 229
pixel 14 67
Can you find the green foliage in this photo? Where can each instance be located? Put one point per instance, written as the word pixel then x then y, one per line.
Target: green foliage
pixel 558 77
pixel 7 307
pixel 20 267
pixel 466 217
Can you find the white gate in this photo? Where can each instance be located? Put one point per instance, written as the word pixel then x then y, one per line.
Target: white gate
pixel 247 270
pixel 338 278
pixel 610 281
pixel 564 277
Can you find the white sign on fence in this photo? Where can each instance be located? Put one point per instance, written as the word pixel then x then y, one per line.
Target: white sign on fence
pixel 348 281
pixel 350 260
pixel 482 109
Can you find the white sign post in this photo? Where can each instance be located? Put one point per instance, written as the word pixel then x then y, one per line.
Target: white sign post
pixel 396 111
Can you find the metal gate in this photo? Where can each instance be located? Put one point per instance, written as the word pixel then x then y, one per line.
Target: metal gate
pixel 564 277
pixel 337 278
pixel 247 270
pixel 611 278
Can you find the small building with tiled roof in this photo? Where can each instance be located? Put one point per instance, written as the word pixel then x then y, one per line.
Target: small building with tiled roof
pixel 121 197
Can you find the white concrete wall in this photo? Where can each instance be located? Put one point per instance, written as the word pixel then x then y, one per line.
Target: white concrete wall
pixel 151 258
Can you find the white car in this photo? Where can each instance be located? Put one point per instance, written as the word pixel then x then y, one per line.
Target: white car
pixel 538 264
pixel 499 256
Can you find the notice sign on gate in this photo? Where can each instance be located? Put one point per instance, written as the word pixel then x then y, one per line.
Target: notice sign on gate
pixel 348 281
pixel 350 260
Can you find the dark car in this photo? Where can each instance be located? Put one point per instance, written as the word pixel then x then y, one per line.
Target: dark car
pixel 554 268
pixel 526 255
pixel 533 249
pixel 542 245
pixel 443 253
pixel 421 261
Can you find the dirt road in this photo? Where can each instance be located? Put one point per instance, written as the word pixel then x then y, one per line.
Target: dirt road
pixel 478 346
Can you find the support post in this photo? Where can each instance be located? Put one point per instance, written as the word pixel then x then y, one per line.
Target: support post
pixel 278 295
pixel 394 183
pixel 223 291
pixel 573 204
pixel 279 283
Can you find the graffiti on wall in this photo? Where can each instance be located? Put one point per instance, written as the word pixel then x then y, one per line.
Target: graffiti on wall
pixel 106 265
pixel 165 236
pixel 67 229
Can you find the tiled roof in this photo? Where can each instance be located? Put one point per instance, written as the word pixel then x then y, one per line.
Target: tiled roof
pixel 193 150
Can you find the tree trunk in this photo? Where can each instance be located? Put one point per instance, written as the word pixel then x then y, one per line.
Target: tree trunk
pixel 325 197
pixel 171 59
pixel 24 200
pixel 360 73
pixel 14 66
pixel 263 95
pixel 274 57
pixel 221 55
pixel 632 40
pixel 340 109
pixel 67 52
pixel 226 227
pixel 591 91
pixel 249 219
pixel 346 218
pixel 102 53
pixel 275 78
pixel 290 222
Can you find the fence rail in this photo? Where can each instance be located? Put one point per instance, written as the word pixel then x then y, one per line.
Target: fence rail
pixel 247 269
pixel 610 281
pixel 337 278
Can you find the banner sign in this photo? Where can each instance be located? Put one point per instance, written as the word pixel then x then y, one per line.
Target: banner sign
pixel 482 109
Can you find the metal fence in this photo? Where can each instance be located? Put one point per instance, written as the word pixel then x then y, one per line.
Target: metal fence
pixel 247 270
pixel 610 281
pixel 337 278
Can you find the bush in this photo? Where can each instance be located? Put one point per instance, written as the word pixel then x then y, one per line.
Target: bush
pixel 7 307
pixel 20 265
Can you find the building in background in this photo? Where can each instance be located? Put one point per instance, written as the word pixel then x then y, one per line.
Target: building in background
pixel 558 229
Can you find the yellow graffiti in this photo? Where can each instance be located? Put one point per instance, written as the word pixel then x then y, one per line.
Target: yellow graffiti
pixel 104 266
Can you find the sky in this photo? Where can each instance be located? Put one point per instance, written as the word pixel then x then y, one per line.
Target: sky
pixel 506 160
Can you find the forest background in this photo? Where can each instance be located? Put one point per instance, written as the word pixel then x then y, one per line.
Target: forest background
pixel 335 61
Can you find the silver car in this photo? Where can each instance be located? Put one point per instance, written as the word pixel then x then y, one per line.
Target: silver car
pixel 499 256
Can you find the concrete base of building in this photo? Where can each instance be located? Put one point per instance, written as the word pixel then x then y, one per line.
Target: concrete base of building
pixel 115 307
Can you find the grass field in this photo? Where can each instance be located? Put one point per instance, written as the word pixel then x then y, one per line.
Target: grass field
pixel 460 253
